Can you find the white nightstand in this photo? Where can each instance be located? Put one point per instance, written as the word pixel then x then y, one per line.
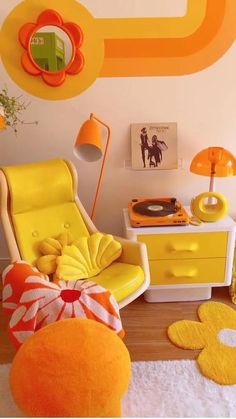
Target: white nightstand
pixel 186 261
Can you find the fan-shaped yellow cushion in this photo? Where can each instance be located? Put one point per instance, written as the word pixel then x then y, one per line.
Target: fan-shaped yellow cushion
pixel 87 256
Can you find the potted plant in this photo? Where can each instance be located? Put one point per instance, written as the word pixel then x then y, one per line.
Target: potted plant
pixel 11 108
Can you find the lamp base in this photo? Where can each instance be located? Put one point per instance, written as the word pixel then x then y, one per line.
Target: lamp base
pixel 209 212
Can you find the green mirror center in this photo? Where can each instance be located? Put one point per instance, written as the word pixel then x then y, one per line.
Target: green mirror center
pixel 51 49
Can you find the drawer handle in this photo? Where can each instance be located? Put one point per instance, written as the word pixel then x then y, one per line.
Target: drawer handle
pixel 180 273
pixel 193 247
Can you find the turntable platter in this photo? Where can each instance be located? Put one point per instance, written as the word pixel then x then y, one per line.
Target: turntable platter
pixel 155 208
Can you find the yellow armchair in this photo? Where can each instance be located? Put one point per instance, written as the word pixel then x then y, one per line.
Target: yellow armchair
pixel 39 200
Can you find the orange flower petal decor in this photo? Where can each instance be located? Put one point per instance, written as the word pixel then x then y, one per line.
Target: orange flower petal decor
pixel 77 65
pixel 71 368
pixel 215 335
pixel 28 63
pixel 54 79
pixel 50 17
pixel 74 32
pixel 34 302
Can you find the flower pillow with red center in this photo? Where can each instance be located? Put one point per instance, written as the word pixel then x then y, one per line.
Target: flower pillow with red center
pixel 44 302
pixel 13 278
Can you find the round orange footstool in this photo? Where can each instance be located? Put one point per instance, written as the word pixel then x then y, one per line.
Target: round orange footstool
pixel 71 368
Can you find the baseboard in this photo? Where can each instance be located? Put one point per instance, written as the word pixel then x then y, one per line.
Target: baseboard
pixel 3 263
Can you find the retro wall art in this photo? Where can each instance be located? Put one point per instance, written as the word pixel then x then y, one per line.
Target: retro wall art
pixel 117 47
pixel 154 146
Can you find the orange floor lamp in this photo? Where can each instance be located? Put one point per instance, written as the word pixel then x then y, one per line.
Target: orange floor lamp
pixel 88 147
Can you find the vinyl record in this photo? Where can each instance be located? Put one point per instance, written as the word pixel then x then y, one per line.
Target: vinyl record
pixel 155 208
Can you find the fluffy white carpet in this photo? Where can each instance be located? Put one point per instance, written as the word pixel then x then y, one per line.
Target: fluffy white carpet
pixel 158 389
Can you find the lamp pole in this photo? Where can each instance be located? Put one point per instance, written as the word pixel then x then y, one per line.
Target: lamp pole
pixel 212 183
pixel 92 116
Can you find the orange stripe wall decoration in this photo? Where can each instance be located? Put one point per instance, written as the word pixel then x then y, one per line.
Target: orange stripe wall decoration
pixel 168 54
pixel 125 47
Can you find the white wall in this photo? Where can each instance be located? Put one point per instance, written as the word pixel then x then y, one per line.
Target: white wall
pixel 203 104
pixel 136 8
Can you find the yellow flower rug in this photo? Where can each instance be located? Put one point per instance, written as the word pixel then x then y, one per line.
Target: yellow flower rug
pixel 215 335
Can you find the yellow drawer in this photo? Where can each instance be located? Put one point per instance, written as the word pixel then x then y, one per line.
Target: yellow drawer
pixel 188 271
pixel 184 246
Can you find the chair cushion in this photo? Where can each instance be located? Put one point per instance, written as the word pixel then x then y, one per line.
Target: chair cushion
pixel 121 279
pixel 32 227
pixel 42 204
pixel 39 185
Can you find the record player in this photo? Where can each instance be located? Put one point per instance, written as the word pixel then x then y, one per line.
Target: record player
pixel 157 212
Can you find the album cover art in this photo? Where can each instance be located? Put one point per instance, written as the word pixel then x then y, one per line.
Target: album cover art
pixel 154 146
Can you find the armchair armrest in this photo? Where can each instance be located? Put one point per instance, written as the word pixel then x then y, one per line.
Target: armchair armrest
pixel 134 253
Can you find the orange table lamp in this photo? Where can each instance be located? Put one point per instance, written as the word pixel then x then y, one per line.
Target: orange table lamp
pixel 214 162
pixel 88 147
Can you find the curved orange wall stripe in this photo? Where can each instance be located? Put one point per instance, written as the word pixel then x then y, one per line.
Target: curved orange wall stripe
pixel 170 66
pixel 115 48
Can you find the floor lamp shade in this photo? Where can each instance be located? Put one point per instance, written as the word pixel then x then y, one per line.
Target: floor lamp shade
pixel 88 146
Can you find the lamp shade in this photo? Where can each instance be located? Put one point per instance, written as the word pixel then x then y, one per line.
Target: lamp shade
pixel 88 145
pixel 214 161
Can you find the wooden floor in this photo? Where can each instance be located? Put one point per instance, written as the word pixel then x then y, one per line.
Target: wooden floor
pixel 145 325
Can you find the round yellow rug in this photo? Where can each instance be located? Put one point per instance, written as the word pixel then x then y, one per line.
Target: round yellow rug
pixel 215 335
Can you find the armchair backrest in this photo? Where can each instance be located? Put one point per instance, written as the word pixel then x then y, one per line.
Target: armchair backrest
pixel 39 201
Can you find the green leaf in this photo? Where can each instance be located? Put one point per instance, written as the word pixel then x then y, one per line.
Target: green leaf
pixel 13 107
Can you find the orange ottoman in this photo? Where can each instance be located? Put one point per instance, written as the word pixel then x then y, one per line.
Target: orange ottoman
pixel 71 368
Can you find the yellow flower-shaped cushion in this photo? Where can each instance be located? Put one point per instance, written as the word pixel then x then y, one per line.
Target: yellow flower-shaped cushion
pixel 50 249
pixel 215 335
pixel 87 256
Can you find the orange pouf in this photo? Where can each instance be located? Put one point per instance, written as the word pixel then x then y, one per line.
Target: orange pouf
pixel 71 368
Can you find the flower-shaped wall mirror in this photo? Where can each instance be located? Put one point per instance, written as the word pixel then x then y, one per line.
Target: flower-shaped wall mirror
pixel 52 48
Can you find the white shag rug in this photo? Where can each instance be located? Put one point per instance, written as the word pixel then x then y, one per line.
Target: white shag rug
pixel 158 389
